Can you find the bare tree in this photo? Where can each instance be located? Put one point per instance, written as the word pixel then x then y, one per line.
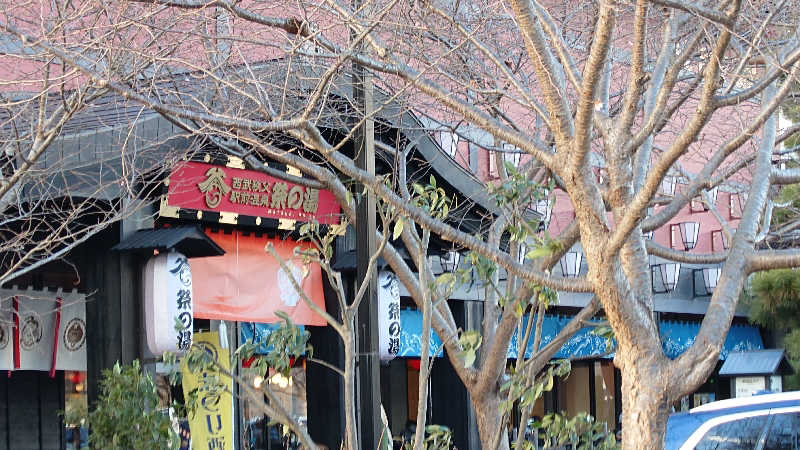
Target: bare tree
pixel 644 89
pixel 76 157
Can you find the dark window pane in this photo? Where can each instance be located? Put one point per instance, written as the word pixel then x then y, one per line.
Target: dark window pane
pixel 784 431
pixel 739 434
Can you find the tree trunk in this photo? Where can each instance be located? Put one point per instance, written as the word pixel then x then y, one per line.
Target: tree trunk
pixel 490 422
pixel 645 402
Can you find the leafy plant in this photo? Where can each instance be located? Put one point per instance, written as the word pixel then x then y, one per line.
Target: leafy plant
pixel 127 415
pixel 578 433
pixel 773 301
pixel 437 437
pixel 519 387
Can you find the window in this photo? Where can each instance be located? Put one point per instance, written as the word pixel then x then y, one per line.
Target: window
pixel 784 433
pixel 740 434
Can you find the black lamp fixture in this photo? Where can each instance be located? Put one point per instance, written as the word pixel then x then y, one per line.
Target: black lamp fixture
pixel 670 272
pixel 511 154
pixel 668 185
pixel 689 231
pixel 543 208
pixel 523 250
pixel 713 194
pixel 450 260
pixel 571 264
pixel 711 278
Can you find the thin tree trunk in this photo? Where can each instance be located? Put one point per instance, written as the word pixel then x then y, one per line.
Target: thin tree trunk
pixel 350 354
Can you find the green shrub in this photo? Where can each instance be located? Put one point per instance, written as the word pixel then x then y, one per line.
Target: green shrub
pixel 126 415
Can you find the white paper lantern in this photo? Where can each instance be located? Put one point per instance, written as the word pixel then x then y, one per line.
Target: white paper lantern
pixel 168 301
pixel 388 315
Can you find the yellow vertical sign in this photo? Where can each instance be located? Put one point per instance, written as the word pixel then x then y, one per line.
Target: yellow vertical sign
pixel 211 425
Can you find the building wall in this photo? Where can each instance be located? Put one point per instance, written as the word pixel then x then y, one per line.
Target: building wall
pixel 29 405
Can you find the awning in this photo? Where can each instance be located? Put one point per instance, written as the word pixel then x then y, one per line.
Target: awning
pixel 676 337
pixel 258 333
pixel 411 335
pixel 757 362
pixel 188 240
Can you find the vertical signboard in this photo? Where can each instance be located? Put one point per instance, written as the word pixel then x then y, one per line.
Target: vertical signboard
pixel 211 424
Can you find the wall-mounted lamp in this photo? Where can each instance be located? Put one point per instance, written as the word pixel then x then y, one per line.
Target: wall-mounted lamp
pixel 736 204
pixel 718 240
pixel 571 264
pixel 670 272
pixel 523 249
pixel 689 232
pixel 711 278
pixel 668 185
pixel 511 154
pixel 450 260
pixel 543 208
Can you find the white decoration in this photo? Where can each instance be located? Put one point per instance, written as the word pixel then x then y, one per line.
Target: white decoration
pixel 37 323
pixel 289 295
pixel 168 300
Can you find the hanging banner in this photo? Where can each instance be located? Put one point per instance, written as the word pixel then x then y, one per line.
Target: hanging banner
pixel 167 303
pixel 232 191
pixel 6 333
pixel 247 284
pixel 388 315
pixel 51 333
pixel 211 425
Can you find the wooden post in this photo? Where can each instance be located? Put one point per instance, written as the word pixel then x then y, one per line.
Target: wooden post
pixel 369 393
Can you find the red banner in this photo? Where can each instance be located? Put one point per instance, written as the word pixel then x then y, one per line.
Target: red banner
pixel 248 284
pixel 206 187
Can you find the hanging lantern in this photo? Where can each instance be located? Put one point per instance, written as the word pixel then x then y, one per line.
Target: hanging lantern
pixel 711 278
pixel 689 231
pixel 388 315
pixel 168 301
pixel 571 264
pixel 670 272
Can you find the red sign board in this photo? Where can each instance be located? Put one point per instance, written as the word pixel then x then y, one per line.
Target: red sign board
pixel 206 187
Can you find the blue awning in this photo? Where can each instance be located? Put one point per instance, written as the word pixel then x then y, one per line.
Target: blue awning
pixel 258 333
pixel 411 335
pixel 676 337
pixel 582 344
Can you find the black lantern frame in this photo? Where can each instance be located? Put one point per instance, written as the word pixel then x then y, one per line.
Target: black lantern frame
pixel 571 264
pixel 669 275
pixel 450 260
pixel 689 232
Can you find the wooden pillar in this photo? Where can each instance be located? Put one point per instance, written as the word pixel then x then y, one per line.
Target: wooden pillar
pixel 111 282
pixel 369 394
